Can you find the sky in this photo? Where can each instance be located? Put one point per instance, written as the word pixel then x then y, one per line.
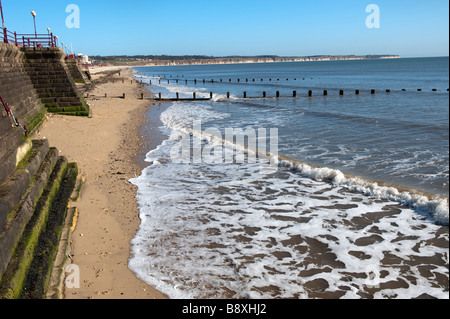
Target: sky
pixel 414 28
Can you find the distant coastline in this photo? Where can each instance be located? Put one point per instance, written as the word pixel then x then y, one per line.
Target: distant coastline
pixel 197 60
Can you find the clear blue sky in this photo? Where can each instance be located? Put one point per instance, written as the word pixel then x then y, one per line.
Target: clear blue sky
pixel 240 27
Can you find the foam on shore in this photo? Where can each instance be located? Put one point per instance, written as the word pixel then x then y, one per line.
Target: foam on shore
pixel 228 230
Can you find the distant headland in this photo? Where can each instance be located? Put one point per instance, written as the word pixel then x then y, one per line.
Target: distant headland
pixel 148 60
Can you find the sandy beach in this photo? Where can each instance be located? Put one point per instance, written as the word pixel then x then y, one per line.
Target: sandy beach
pixel 105 147
pixel 109 148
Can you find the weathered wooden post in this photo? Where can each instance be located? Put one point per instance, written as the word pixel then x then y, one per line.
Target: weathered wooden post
pixel 123 96
pixel 211 95
pixel 160 97
pixel 142 96
pixel 294 94
pixel 228 95
pixel 245 95
pixel 195 96
pixel 357 92
pixel 341 92
pixel 264 94
pixel 278 94
pixel 178 96
pixel 309 93
pixel 325 92
pixel 372 91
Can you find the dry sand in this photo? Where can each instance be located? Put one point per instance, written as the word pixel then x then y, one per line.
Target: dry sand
pixel 105 147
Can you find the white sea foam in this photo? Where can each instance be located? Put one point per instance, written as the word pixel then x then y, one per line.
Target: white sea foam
pixel 221 231
pixel 230 231
pixel 435 208
pixel 179 118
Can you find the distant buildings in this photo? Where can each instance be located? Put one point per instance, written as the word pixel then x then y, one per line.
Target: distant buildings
pixel 84 58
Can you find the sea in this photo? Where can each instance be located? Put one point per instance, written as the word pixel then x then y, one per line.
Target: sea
pixel 296 180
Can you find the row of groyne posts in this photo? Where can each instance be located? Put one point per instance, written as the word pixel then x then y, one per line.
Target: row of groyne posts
pixel 196 97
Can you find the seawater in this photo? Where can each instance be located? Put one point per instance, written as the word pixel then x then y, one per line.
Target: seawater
pixel 304 230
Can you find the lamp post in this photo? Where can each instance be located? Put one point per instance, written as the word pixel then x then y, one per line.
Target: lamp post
pixel 34 19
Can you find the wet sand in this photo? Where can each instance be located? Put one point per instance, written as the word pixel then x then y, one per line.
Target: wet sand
pixel 105 147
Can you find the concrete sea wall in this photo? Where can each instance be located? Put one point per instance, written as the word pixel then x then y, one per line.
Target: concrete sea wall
pixel 35 182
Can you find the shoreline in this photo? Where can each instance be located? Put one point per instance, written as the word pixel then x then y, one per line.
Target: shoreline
pixel 108 211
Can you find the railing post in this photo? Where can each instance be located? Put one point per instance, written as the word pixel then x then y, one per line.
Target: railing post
pixel 5 35
pixel 15 39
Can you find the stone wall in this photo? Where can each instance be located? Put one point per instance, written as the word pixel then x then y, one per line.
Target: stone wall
pixel 18 91
pixel 76 70
pixel 35 182
pixel 53 80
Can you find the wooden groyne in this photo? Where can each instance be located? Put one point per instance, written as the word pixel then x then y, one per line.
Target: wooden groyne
pixel 305 93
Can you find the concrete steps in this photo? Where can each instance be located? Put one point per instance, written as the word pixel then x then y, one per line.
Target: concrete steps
pixel 52 79
pixel 26 255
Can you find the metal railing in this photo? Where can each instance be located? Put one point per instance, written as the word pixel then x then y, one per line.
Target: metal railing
pixel 7 36
pixel 28 40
